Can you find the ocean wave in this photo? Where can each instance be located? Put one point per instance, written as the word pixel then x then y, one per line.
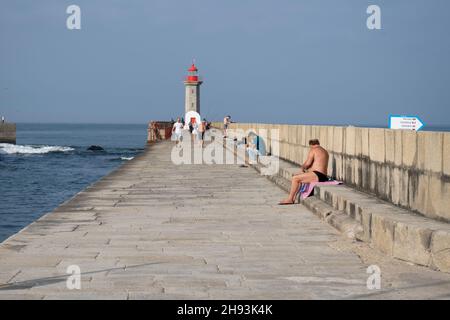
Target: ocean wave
pixel 7 148
pixel 126 158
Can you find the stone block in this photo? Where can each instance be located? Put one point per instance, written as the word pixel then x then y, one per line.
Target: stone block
pixel 412 243
pixel 341 203
pixel 284 132
pixel 318 207
pixel 307 135
pixel 372 183
pixel 330 167
pixel 383 180
pixel 364 216
pixel 330 135
pixel 409 148
pixel 290 152
pixel 357 170
pixel 338 139
pixel 303 133
pixel 365 142
pixel 365 174
pixel 284 147
pixel 323 136
pixel 335 199
pixel 418 186
pixel 297 131
pixel 350 141
pixel 322 194
pixel 338 166
pixel 440 250
pixel 299 135
pixel 398 154
pixel 377 145
pixel 382 231
pixel 358 141
pixel 329 198
pixel 429 151
pixel 292 134
pixel 389 137
pixel 396 185
pixel 314 132
pixel 438 204
pixel 446 153
pixel 404 183
pixel 296 154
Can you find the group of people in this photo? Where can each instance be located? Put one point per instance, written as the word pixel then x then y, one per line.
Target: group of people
pixel 313 170
pixel 197 130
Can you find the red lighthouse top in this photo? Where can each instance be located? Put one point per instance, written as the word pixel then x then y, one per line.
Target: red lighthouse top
pixel 193 76
pixel 193 68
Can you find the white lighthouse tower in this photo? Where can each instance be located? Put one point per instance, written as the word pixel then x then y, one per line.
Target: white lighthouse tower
pixel 192 84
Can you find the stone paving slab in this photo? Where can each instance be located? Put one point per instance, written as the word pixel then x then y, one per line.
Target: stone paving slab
pixel 154 230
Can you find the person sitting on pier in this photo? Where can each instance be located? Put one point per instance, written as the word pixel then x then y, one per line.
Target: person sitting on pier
pixel 314 169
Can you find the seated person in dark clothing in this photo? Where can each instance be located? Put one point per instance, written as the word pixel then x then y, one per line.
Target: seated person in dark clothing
pixel 313 170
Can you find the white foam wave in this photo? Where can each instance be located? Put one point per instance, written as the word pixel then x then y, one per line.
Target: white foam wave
pixel 127 158
pixel 7 148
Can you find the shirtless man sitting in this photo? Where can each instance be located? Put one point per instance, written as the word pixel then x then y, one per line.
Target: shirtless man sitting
pixel 313 170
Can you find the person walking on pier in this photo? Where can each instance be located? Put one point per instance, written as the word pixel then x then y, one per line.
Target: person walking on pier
pixel 194 130
pixel 176 131
pixel 201 132
pixel 314 169
pixel 226 123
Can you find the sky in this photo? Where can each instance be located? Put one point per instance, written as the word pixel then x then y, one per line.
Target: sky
pixel 272 61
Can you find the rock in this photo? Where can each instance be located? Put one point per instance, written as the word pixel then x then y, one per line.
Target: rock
pixel 95 148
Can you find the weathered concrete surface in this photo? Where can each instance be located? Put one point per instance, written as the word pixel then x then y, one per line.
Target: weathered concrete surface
pixel 392 230
pixel 409 169
pixel 154 230
pixel 7 133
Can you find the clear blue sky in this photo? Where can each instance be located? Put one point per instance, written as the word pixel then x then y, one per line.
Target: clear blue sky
pixel 286 61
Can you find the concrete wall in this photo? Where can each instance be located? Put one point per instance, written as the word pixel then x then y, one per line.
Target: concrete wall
pixel 159 130
pixel 409 169
pixel 7 133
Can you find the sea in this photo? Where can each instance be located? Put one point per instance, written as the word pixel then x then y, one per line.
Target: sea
pixel 51 163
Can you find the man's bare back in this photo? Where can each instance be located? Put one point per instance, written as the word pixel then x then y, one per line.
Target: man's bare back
pixel 319 159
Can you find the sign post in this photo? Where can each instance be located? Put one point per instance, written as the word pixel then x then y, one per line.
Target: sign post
pixel 405 123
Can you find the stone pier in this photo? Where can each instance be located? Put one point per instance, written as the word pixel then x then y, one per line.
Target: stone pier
pixel 155 230
pixel 8 133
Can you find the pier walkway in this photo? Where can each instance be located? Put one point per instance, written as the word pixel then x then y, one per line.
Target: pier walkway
pixel 155 230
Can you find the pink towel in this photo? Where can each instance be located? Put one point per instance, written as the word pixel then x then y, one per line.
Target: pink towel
pixel 306 189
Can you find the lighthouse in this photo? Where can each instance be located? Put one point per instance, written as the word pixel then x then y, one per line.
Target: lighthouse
pixel 192 84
